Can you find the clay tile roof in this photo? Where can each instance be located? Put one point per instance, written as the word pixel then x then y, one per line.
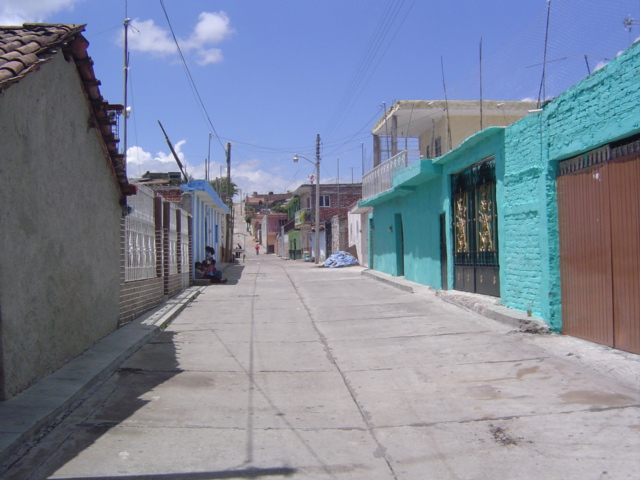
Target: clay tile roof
pixel 23 49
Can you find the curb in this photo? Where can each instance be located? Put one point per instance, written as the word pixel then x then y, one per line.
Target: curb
pixel 493 310
pixel 485 306
pixel 29 413
pixel 390 280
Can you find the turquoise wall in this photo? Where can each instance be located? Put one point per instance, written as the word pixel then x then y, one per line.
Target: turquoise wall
pixel 604 107
pixel 421 208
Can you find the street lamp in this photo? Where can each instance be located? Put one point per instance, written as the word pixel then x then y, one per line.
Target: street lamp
pixel 317 222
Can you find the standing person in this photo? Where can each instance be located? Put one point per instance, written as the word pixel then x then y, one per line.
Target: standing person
pixel 257 249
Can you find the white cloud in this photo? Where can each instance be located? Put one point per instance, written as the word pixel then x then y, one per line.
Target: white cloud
pixel 211 29
pixel 213 55
pixel 600 65
pixel 139 161
pixel 248 175
pixel 17 12
pixel 146 36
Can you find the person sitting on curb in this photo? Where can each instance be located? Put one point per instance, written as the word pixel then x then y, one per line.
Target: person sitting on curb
pixel 214 274
pixel 199 271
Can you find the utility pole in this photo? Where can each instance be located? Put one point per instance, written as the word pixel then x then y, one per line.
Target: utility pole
pixel 317 236
pixel 230 205
pixel 362 149
pixel 126 79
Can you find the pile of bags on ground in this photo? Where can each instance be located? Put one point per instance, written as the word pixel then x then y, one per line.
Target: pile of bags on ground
pixel 340 259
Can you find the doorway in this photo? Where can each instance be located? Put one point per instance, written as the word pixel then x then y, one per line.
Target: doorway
pixel 399 238
pixel 599 222
pixel 475 229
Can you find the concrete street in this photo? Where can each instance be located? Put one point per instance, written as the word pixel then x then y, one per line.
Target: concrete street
pixel 294 371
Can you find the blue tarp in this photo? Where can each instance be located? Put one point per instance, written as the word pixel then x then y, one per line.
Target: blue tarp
pixel 340 259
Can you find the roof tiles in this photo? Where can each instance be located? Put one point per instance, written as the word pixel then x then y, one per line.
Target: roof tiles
pixel 22 48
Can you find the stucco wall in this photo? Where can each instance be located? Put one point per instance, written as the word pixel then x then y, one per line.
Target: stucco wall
pixel 421 237
pixel 60 217
pixel 421 211
pixel 462 127
pixel 359 236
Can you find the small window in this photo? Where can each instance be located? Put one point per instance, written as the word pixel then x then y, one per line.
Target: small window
pixel 324 201
pixel 282 221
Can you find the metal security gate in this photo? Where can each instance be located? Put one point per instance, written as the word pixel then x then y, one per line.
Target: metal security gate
pixel 475 229
pixel 599 229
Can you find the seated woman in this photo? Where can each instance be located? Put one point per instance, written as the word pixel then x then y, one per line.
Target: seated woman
pixel 214 274
pixel 199 271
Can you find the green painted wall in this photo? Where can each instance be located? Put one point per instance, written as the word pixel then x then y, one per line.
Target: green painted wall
pixel 421 211
pixel 604 107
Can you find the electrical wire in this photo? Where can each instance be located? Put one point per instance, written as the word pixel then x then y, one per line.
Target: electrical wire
pixel 192 83
pixel 365 71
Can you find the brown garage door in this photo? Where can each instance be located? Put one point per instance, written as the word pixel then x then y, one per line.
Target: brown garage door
pixel 599 222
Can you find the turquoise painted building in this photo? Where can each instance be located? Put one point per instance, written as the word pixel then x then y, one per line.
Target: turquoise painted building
pixel 484 217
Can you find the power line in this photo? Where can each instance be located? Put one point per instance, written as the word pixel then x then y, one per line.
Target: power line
pixel 365 70
pixel 192 82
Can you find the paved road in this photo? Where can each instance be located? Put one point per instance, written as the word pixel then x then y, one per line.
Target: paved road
pixel 293 371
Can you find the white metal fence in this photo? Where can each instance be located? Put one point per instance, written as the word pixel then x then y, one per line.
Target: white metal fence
pixel 184 241
pixel 173 241
pixel 379 179
pixel 140 240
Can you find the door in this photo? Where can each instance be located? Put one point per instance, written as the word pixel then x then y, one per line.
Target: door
pixel 370 239
pixel 475 229
pixel 599 230
pixel 443 253
pixel 399 244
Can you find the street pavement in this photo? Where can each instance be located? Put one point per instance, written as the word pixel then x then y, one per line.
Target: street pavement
pixel 294 371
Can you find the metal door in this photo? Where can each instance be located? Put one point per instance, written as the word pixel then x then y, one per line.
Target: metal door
pixel 475 229
pixel 599 229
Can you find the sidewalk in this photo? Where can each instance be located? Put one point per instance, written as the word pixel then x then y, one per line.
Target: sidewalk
pixel 26 416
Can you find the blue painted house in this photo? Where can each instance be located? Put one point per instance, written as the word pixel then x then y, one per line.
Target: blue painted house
pixel 543 213
pixel 209 218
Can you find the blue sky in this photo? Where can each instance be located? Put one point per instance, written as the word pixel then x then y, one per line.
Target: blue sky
pixel 270 75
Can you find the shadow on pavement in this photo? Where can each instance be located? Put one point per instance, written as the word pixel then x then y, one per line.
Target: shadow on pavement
pixel 246 473
pixel 117 399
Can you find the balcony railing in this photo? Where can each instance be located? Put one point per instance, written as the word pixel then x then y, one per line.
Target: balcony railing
pixel 379 179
